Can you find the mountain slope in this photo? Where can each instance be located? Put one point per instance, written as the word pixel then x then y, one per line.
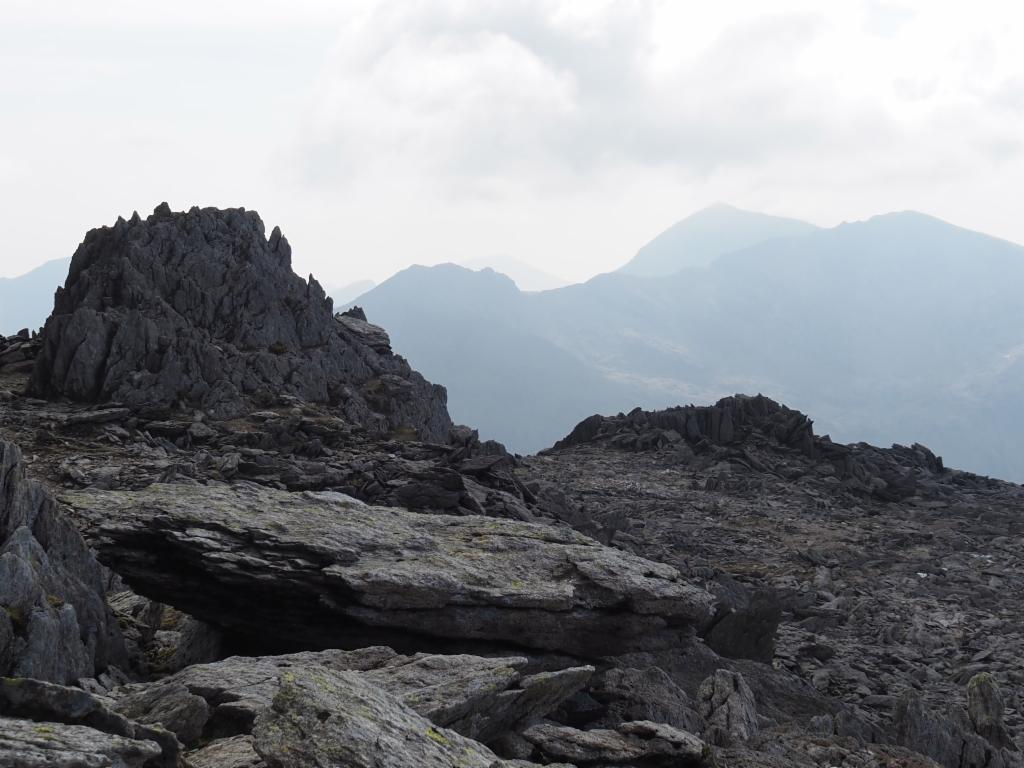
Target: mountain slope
pixel 503 378
pixel 525 276
pixel 699 239
pixel 896 329
pixel 26 300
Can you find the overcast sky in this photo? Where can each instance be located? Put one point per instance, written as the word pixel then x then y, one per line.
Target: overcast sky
pixel 566 134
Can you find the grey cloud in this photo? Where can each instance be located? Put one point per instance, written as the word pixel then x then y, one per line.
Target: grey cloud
pixel 591 100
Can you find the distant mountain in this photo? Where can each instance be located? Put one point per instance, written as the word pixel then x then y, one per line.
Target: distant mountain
pixel 26 300
pixel 698 240
pixel 346 294
pixel 901 328
pixel 525 276
pixel 505 379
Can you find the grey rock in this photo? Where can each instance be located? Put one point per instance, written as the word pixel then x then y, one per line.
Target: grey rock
pixel 324 569
pixel 482 698
pixel 746 620
pixel 57 625
pixel 727 703
pixel 645 694
pixel 986 708
pixel 47 705
pixel 202 309
pixel 634 743
pixel 324 717
pixel 29 744
pixel 232 752
pixel 373 336
pixel 950 741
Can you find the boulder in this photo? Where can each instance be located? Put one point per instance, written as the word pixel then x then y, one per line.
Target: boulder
pixel 644 694
pixel 201 309
pixel 324 570
pixel 986 707
pixel 727 703
pixel 640 743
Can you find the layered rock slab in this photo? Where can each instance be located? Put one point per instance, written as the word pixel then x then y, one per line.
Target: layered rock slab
pixel 324 717
pixel 481 698
pixel 322 569
pixel 202 309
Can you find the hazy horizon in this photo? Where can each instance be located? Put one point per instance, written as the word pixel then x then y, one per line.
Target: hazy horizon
pixel 565 135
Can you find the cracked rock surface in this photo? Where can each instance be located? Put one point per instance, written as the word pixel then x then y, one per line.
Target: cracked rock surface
pixel 327 570
pixel 201 309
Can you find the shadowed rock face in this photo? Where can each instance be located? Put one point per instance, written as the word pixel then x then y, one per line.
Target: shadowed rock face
pixel 54 621
pixel 323 570
pixel 202 309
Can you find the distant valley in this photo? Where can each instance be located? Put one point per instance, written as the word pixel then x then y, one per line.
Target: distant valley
pixel 896 329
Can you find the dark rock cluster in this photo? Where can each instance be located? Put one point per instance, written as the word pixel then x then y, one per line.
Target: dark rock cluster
pixel 201 309
pixel 18 352
pixel 253 539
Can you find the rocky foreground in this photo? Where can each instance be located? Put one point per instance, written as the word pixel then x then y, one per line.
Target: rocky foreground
pixel 238 530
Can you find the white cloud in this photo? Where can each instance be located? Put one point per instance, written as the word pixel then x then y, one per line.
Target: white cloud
pixel 564 133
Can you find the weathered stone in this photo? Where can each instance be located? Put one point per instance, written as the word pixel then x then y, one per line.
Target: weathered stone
pixel 323 717
pixel 950 741
pixel 634 743
pixel 727 703
pixel 481 698
pixel 57 625
pixel 324 569
pixel 30 744
pixel 986 707
pixel 46 704
pixel 232 752
pixel 645 694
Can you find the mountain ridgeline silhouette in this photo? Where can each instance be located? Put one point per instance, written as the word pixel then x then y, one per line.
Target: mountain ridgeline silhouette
pixel 901 328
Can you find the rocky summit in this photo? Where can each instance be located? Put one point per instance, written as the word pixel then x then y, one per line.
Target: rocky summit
pixel 201 309
pixel 238 531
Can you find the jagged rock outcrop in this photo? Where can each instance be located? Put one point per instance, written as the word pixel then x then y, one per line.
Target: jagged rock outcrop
pixel 18 352
pixel 952 740
pixel 201 309
pixel 986 708
pixel 730 420
pixel 55 623
pixel 743 428
pixel 324 570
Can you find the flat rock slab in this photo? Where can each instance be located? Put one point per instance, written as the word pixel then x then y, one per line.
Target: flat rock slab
pixel 321 569
pixel 28 744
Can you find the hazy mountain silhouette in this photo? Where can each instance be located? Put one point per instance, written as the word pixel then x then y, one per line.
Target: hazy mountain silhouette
pixel 27 300
pixel 463 328
pixel 349 292
pixel 698 240
pixel 525 276
pixel 901 328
